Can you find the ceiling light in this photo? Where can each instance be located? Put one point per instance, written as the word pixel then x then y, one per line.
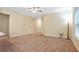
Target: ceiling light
pixel 34 9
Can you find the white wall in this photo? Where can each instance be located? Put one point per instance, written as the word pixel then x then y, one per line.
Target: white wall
pixel 38 24
pixel 54 24
pixel 19 24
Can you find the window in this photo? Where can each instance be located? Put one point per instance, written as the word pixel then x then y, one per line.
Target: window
pixel 77 23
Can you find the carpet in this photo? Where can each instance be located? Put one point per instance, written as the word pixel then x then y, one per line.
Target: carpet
pixel 36 42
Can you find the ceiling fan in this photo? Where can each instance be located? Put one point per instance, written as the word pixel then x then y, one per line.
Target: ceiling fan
pixel 34 9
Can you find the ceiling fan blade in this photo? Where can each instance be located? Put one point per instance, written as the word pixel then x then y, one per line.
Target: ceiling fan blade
pixel 33 9
pixel 40 11
pixel 29 8
pixel 38 7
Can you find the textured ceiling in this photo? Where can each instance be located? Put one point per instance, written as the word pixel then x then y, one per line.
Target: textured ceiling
pixel 46 10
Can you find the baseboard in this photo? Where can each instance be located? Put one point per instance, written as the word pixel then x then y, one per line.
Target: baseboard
pixel 75 44
pixel 21 34
pixel 54 35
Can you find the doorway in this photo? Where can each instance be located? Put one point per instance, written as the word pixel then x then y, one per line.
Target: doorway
pixel 4 24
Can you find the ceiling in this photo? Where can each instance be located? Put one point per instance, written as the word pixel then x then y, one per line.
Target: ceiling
pixel 46 10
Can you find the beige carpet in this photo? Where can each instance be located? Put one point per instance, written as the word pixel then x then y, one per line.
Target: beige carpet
pixel 36 43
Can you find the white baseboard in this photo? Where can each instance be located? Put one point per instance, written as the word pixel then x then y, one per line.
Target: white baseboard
pixel 54 35
pixel 76 45
pixel 21 34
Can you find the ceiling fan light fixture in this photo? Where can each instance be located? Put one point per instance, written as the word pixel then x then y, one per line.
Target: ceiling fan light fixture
pixel 34 11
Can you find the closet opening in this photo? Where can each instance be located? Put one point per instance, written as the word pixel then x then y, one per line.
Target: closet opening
pixel 4 24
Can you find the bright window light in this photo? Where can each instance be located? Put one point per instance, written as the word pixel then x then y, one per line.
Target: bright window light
pixel 77 23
